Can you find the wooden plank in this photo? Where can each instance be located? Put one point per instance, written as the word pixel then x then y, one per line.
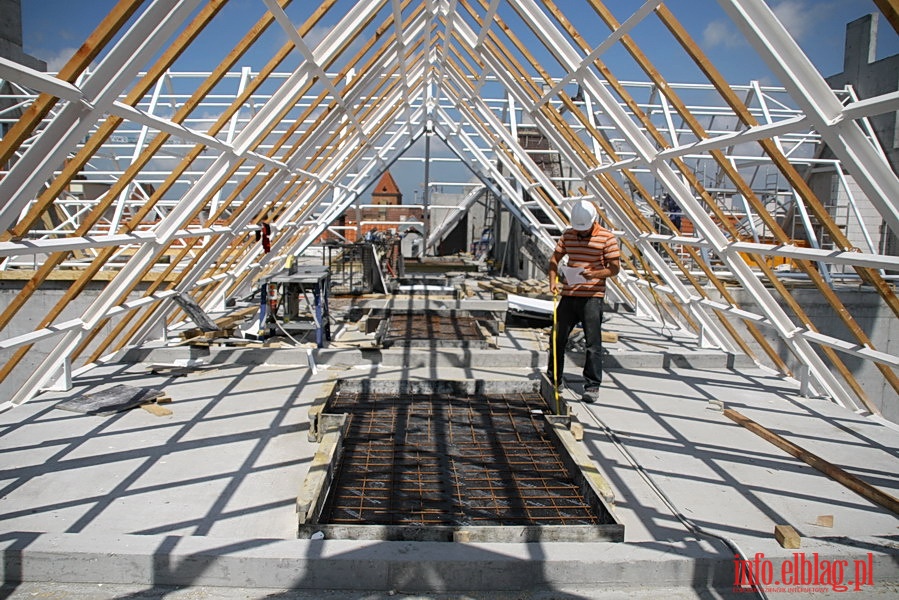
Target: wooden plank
pixel 577 430
pixel 890 10
pixel 171 370
pixel 238 316
pixel 824 521
pixel 862 488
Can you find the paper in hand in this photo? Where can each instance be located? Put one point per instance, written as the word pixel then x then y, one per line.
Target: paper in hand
pixel 573 275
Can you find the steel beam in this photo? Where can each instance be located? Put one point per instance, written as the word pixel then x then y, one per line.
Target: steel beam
pixel 824 110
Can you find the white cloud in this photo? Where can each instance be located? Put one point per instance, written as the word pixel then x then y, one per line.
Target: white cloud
pixel 803 18
pixel 55 59
pixel 316 35
pixel 720 33
pixel 797 16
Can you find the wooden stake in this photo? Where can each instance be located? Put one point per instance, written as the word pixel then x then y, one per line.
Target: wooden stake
pixel 786 536
pixel 577 430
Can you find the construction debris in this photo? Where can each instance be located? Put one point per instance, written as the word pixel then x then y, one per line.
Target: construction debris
pixel 179 368
pixel 112 400
pixel 195 312
pixel 155 409
pixel 222 327
pixel 536 288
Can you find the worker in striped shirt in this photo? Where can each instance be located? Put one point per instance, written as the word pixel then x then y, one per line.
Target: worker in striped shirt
pixel 593 256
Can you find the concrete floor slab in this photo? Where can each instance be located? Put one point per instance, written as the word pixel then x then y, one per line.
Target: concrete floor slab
pixel 205 496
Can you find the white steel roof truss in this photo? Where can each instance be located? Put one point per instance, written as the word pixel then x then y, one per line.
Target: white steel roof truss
pixel 100 90
pixel 400 47
pixel 487 171
pixel 612 39
pixel 135 154
pixel 515 169
pixel 708 229
pixel 418 84
pixel 231 130
pixel 505 135
pixel 527 166
pixel 310 62
pixel 363 178
pixel 454 216
pixel 797 199
pixel 16 74
pixel 359 88
pixel 712 329
pixel 164 233
pixel 808 88
pixel 281 100
pixel 251 261
pixel 451 16
pixel 337 163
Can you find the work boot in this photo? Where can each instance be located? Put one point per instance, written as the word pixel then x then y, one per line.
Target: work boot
pixel 591 395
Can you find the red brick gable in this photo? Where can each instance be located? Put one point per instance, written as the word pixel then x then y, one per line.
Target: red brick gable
pixel 386 191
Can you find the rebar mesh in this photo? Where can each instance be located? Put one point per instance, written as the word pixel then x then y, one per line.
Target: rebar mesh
pixel 431 326
pixel 446 460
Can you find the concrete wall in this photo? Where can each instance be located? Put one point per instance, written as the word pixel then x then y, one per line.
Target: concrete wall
pixel 873 316
pixel 11 35
pixel 11 48
pixel 870 77
pixel 29 317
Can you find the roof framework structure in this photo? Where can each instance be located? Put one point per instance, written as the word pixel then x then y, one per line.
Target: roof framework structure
pixel 190 163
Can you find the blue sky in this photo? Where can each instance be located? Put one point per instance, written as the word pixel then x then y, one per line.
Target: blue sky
pixel 53 29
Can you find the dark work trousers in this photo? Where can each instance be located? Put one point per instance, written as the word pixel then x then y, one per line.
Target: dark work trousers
pixel 570 312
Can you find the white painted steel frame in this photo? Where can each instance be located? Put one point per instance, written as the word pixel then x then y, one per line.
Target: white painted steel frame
pixel 146 37
pixel 569 58
pixel 183 130
pixel 807 87
pixel 453 106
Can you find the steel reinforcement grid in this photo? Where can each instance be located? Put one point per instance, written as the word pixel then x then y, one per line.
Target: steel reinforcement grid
pixel 429 326
pixel 427 460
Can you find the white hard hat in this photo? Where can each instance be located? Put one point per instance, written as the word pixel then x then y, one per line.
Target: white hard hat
pixel 583 213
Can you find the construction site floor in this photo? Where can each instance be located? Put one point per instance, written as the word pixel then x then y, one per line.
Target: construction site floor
pixel 204 499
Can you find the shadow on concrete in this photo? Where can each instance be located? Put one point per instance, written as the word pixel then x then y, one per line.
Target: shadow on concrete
pixel 133 473
pixel 709 462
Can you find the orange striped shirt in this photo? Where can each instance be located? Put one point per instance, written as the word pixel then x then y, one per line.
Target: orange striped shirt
pixel 591 251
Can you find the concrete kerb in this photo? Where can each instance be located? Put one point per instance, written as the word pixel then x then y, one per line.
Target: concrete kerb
pixel 326 564
pixel 406 566
pixel 427 357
